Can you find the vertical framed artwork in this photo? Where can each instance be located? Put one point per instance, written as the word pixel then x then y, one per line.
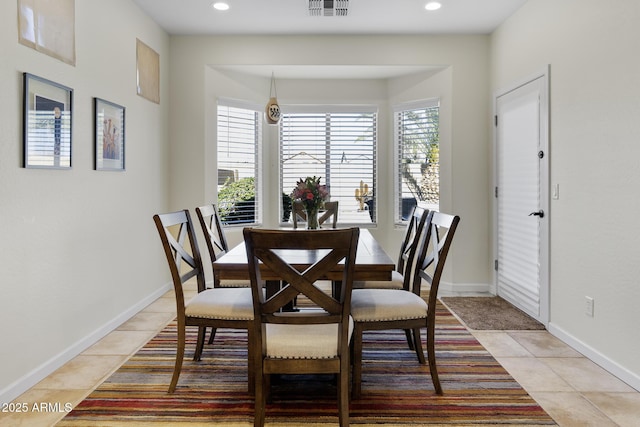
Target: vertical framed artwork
pixel 109 135
pixel 47 118
pixel 48 27
pixel 148 72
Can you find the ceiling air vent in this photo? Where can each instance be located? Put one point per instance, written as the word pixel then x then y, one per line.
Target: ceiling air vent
pixel 328 7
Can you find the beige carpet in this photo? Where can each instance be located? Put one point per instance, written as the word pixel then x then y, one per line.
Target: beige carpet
pixel 490 313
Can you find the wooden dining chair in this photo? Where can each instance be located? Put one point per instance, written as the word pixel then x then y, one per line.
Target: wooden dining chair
pixel 217 246
pixel 310 341
pixel 216 241
pixel 215 307
pixel 402 275
pixel 383 309
pixel 330 212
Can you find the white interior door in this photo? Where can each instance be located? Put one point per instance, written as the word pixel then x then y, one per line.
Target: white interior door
pixel 522 197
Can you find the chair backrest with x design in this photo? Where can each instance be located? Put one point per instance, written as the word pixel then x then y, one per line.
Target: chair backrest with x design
pixel 434 248
pixel 212 229
pixel 409 246
pixel 284 252
pixel 211 225
pixel 182 252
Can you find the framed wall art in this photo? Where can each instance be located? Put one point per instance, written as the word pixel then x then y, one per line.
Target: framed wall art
pixel 47 118
pixel 148 72
pixel 109 135
pixel 48 27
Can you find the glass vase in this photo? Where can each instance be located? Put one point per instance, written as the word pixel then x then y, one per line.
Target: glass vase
pixel 312 218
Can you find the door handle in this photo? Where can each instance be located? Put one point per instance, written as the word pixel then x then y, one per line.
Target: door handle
pixel 540 213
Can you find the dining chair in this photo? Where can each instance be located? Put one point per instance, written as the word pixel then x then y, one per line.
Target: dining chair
pixel 213 232
pixel 383 309
pixel 215 307
pixel 330 211
pixel 217 246
pixel 401 276
pixel 311 341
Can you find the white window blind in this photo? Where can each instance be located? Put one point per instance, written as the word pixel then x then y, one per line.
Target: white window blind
pixel 338 145
pixel 417 141
pixel 239 135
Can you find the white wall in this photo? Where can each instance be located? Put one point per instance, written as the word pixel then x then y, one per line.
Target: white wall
pixel 79 250
pixel 592 50
pixel 197 82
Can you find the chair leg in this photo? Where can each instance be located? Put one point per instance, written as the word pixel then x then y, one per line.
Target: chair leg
pixel 266 384
pixel 431 355
pixel 418 345
pixel 179 357
pixel 212 336
pixel 343 393
pixel 202 330
pixel 407 332
pixel 260 400
pixel 357 362
pixel 251 371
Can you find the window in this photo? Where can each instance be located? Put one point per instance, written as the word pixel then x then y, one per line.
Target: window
pixel 417 138
pixel 338 145
pixel 239 135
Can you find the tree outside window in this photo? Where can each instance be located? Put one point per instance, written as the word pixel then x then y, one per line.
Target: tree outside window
pixel 239 135
pixel 418 163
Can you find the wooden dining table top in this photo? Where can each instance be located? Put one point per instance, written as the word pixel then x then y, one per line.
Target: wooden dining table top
pixel 372 262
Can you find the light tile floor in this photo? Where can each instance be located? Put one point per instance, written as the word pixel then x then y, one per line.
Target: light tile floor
pixel 571 388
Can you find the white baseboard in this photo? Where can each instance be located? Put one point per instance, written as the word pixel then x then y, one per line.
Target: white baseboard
pixel 38 374
pixel 448 289
pixel 598 358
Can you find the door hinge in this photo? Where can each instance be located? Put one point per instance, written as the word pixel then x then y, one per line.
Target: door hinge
pixel 496 192
pixel 495 118
pixel 495 265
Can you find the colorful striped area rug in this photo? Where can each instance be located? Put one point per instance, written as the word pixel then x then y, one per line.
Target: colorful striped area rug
pixel 396 389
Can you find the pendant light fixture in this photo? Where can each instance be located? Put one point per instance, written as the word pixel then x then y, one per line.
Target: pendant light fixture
pixel 272 111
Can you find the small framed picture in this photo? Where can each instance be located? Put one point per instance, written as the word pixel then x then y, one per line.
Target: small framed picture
pixel 47 118
pixel 109 135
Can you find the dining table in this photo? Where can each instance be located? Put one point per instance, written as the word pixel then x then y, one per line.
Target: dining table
pixel 372 263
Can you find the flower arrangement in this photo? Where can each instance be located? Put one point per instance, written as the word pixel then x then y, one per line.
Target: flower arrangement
pixel 312 194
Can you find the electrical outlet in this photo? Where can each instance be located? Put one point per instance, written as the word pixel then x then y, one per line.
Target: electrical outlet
pixel 589 306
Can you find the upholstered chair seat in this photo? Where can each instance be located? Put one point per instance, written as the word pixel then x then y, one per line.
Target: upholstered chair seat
pixel 303 341
pixel 382 305
pixel 396 282
pixel 222 303
pixel 231 283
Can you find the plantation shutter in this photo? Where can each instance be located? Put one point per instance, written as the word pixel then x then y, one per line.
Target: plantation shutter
pixel 336 144
pixel 239 134
pixel 416 127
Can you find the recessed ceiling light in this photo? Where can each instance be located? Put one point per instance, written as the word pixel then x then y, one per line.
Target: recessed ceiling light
pixel 433 5
pixel 220 5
